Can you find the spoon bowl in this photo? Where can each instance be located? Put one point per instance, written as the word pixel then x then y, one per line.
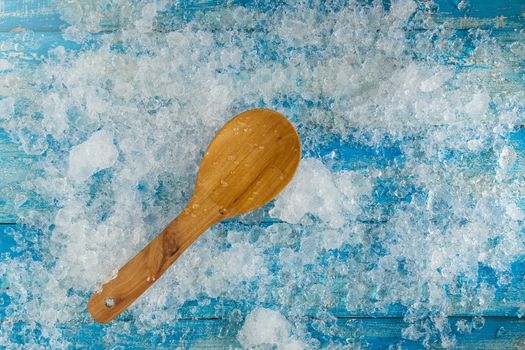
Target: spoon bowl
pixel 250 160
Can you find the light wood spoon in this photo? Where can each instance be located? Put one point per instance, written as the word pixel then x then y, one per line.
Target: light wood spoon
pixel 250 160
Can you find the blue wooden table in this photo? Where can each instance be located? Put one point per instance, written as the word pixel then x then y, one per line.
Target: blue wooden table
pixel 381 268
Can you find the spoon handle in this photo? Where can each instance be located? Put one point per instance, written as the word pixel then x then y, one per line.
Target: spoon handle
pixel 139 273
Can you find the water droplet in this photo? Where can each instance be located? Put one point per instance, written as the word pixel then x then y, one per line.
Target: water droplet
pixel 195 206
pixel 109 302
pixel 501 332
pixel 231 157
pixel 224 183
pixel 261 147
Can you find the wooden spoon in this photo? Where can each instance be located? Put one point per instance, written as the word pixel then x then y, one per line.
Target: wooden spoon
pixel 250 160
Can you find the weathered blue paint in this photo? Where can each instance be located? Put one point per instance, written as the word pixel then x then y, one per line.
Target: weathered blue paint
pixel 498 333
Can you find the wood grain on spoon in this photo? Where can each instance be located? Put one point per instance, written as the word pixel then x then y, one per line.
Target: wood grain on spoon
pixel 250 160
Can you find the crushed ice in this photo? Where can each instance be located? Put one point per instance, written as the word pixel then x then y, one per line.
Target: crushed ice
pixel 119 126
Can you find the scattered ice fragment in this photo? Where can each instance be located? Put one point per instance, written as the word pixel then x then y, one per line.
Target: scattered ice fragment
pixel 463 5
pixel 501 332
pixel 401 11
pixel 475 145
pixel 240 263
pixel 148 13
pixel 463 326
pixel 98 152
pixel 57 54
pixel 514 212
pixel 435 81
pixel 521 312
pixel 7 107
pixel 518 48
pixel 55 119
pixel 265 327
pixel 504 279
pixel 332 239
pixel 478 322
pixel 73 33
pixel 506 160
pixel 314 190
pixel 478 105
pixel 5 65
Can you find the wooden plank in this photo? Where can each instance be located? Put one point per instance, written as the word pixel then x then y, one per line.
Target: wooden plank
pixel 372 333
pixel 482 8
pixel 464 23
pixel 509 299
pixel 45 16
pixel 504 15
pixel 34 15
pixel 33 45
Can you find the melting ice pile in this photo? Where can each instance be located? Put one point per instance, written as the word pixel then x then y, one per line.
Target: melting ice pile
pixel 118 128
